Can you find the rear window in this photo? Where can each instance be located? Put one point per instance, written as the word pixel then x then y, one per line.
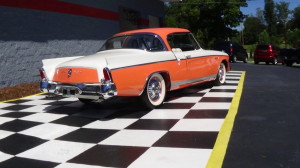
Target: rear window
pixel 262 47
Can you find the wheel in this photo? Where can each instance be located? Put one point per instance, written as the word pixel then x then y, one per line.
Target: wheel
pixel 256 62
pixel 245 59
pixel 275 61
pixel 85 101
pixel 221 76
pixel 267 63
pixel 155 91
pixel 234 59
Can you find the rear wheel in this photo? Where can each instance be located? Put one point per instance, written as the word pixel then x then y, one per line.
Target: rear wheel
pixel 221 76
pixel 155 91
pixel 234 59
pixel 275 61
pixel 245 59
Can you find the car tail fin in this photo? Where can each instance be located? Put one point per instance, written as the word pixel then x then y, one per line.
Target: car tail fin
pixel 107 74
pixel 42 73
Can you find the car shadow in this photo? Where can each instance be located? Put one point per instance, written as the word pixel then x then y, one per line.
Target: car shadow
pixel 119 107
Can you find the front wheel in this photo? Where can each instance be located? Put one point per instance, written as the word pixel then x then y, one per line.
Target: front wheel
pixel 155 91
pixel 245 60
pixel 234 59
pixel 221 76
pixel 275 61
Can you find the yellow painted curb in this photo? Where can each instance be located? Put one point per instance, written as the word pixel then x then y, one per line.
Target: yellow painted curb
pixel 218 153
pixel 20 98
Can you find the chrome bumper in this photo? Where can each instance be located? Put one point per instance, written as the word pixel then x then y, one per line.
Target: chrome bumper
pixel 88 91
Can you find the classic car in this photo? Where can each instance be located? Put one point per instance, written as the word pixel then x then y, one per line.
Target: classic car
pixel 145 62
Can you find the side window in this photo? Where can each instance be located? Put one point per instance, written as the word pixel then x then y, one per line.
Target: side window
pixel 153 43
pixel 184 41
pixel 113 43
pixel 135 41
pixel 144 42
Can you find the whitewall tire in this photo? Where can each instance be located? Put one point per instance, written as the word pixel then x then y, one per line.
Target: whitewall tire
pixel 155 91
pixel 221 76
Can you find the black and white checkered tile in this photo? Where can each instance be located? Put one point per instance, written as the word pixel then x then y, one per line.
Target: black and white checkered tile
pixel 64 133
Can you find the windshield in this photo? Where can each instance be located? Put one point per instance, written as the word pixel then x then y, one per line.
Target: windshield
pixel 184 41
pixel 136 41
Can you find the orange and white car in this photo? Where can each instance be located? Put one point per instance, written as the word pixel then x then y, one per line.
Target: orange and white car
pixel 144 62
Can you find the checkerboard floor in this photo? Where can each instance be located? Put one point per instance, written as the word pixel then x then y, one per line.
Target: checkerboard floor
pixel 40 132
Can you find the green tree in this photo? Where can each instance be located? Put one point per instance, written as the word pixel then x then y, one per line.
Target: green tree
pixel 293 37
pixel 270 16
pixel 260 15
pixel 282 13
pixel 264 37
pixel 295 21
pixel 253 27
pixel 209 20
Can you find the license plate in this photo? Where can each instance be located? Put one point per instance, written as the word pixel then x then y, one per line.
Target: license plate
pixel 68 92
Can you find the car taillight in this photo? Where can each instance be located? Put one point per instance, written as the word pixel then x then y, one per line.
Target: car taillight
pixel 42 73
pixel 106 74
pixel 270 48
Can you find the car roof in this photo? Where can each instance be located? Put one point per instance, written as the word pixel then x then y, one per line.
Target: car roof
pixel 162 32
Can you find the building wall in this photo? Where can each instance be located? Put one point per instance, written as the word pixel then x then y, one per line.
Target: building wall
pixel 34 30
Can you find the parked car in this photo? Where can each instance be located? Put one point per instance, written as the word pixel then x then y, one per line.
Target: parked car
pixel 233 49
pixel 282 53
pixel 266 53
pixel 290 56
pixel 145 62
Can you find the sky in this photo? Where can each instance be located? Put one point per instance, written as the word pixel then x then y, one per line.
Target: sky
pixel 253 4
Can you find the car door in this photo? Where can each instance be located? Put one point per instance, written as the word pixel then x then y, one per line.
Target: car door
pixel 197 61
pixel 179 74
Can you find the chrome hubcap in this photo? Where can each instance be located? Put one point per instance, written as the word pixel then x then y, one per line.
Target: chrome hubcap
pixel 154 89
pixel 221 73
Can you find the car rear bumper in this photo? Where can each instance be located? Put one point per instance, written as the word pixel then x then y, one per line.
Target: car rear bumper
pixel 263 59
pixel 87 91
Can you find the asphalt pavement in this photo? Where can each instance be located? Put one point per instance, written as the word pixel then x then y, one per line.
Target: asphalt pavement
pixel 266 131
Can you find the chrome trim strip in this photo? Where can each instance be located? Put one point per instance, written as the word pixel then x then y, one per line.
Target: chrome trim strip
pixel 142 64
pixel 206 78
